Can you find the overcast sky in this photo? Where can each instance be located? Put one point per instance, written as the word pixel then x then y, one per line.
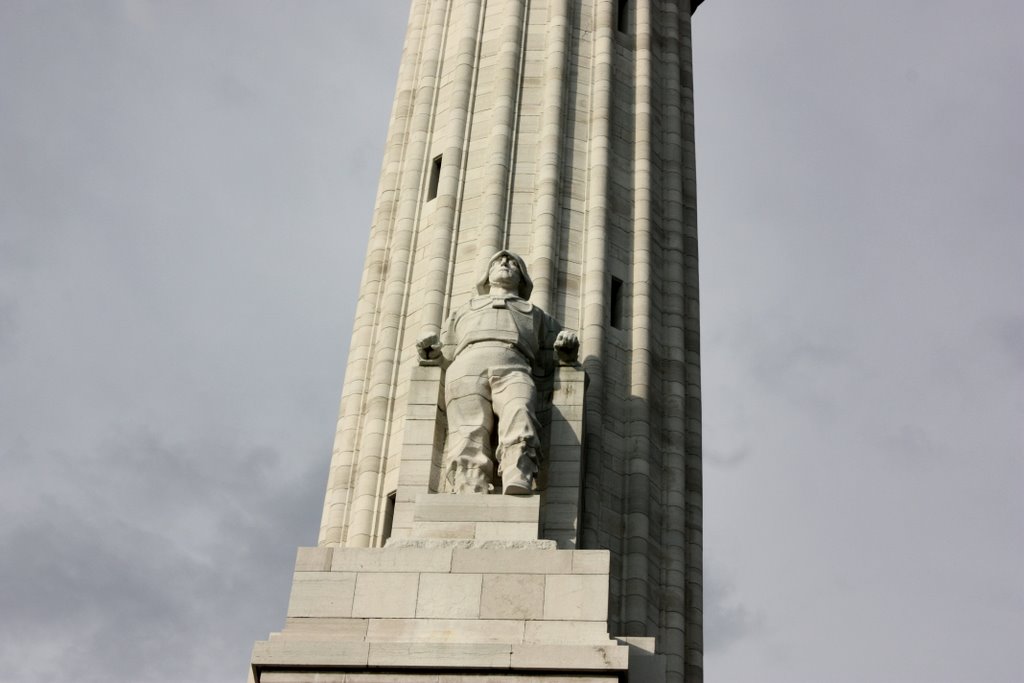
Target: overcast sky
pixel 185 199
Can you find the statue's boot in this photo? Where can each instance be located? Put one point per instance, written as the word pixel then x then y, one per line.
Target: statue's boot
pixel 518 469
pixel 471 470
pixel 471 480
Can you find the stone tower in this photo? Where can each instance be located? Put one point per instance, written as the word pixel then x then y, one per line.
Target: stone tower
pixel 561 130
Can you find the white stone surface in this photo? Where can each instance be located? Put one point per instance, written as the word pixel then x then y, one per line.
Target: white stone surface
pixel 476 508
pixel 573 657
pixel 451 596
pixel 495 604
pixel 313 559
pixel 331 628
pixel 392 560
pixel 566 632
pixel 310 653
pixel 447 655
pixel 512 596
pixel 506 531
pixel 484 544
pixel 590 561
pixel 322 594
pixel 446 530
pixel 390 677
pixel 576 597
pixel 421 630
pixel 511 561
pixel 385 595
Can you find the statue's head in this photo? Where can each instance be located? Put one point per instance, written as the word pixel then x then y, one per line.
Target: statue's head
pixel 504 265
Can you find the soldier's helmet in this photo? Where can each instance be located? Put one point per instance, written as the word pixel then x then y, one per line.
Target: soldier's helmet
pixel 483 285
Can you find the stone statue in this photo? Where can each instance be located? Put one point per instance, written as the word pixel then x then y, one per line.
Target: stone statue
pixel 491 347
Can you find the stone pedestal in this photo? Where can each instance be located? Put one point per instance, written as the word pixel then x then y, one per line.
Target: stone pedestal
pixel 470 594
pixel 474 517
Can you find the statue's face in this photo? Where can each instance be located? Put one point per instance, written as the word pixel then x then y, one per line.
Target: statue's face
pixel 504 272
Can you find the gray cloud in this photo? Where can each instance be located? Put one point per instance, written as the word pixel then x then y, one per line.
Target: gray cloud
pixel 173 320
pixel 1009 334
pixel 127 554
pixel 726 620
pixel 185 194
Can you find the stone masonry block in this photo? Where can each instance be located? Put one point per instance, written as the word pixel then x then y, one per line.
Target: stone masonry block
pixel 569 632
pixel 304 677
pixel 566 433
pixel 511 561
pixel 420 432
pixel 560 515
pixel 424 412
pixel 567 470
pixel 453 596
pixel 595 677
pixel 420 452
pixel 454 655
pixel 591 561
pixel 420 413
pixel 443 529
pixel 310 653
pixel 512 596
pixel 536 656
pixel 647 667
pixel 424 392
pixel 506 531
pixel 313 559
pixel 569 414
pixel 303 628
pixel 321 594
pixel 577 597
pixel 415 475
pixel 385 595
pixel 392 560
pixel 446 631
pixel 569 495
pixel 474 508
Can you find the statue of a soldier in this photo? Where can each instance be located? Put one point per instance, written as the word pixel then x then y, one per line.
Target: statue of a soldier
pixel 491 347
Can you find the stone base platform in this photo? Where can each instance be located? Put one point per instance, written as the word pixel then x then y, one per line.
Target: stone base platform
pixel 406 677
pixel 471 595
pixel 453 607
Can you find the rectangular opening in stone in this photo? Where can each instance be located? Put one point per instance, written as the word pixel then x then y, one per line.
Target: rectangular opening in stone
pixel 435 176
pixel 615 308
pixel 389 517
pixel 622 16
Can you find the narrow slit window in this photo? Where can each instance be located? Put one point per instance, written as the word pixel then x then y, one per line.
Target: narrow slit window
pixel 622 16
pixel 389 517
pixel 616 303
pixel 435 176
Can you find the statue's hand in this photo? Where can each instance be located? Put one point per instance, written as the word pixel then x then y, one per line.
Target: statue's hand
pixel 428 346
pixel 567 345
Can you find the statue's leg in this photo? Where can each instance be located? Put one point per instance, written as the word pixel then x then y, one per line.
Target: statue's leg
pixel 515 404
pixel 470 466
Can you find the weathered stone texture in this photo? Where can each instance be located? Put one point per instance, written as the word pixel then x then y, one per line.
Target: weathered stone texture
pixel 567 138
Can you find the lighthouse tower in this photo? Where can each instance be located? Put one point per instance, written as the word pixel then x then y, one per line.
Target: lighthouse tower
pixel 561 131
